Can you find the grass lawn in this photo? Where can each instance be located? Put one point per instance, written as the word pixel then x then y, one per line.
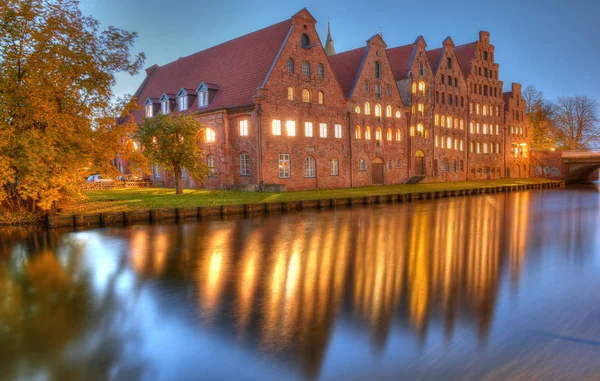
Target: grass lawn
pixel 120 200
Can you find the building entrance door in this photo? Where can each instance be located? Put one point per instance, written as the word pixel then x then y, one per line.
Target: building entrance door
pixel 419 163
pixel 377 168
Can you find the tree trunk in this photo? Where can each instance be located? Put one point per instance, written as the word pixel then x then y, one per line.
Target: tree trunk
pixel 178 183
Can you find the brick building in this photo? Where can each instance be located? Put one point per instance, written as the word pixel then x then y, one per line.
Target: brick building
pixel 279 108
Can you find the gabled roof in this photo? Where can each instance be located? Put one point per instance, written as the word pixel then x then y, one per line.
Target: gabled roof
pixel 239 67
pixel 433 56
pixel 465 54
pixel 346 67
pixel 401 59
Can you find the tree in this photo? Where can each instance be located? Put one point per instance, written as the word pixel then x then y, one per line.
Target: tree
pixel 576 121
pixel 533 99
pixel 541 118
pixel 172 142
pixel 57 68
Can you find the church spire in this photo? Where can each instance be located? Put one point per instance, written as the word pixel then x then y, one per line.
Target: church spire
pixel 329 48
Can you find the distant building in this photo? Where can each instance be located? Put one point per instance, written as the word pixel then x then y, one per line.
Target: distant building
pixel 281 108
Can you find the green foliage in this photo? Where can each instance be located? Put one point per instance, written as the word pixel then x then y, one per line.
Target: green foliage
pixel 172 142
pixel 57 68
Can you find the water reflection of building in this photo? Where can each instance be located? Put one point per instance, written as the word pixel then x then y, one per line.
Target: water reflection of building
pixel 282 282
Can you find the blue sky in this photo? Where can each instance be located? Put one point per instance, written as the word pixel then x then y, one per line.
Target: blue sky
pixel 552 44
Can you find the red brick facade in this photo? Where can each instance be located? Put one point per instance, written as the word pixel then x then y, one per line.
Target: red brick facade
pixel 373 115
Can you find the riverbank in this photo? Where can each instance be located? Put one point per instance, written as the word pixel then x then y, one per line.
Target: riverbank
pixel 153 204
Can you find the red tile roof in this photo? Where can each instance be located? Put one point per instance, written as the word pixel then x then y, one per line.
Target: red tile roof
pixel 346 67
pixel 238 67
pixel 434 58
pixel 465 54
pixel 401 59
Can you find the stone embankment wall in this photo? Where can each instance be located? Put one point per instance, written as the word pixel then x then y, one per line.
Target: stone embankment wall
pixel 547 164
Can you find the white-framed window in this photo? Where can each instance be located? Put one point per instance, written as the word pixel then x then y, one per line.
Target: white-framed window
pixel 210 135
pixel 485 128
pixel 310 167
pixel 461 145
pixel 244 164
pixel 335 167
pixel 449 143
pixel 367 108
pixel 183 102
pixel 308 129
pixel 243 127
pixel 471 127
pixel 377 110
pixel 210 162
pixel 149 111
pixel 164 107
pixel 290 128
pixel 323 130
pixel 338 131
pixel 284 165
pixel 305 68
pixel 388 111
pixel 203 98
pixel 276 127
pixel 362 165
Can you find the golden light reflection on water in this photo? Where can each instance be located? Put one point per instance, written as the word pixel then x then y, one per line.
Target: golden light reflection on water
pixel 290 276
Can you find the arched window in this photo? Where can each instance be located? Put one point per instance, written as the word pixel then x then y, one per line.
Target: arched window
pixel 437 120
pixel 398 135
pixel 448 122
pixel 378 91
pixel 244 164
pixel 377 110
pixel 455 123
pixel 377 70
pixel 290 65
pixel 398 114
pixel 310 167
pixel 290 93
pixel 321 70
pixel 368 133
pixel 414 88
pixel 485 148
pixel 367 86
pixel 443 121
pixel 445 165
pixel 453 168
pixel 462 166
pixel 485 109
pixel 378 134
pixel 306 96
pixel 305 41
pixel 420 129
pixel 422 88
pixel 210 135
pixel 389 134
pixel 320 97
pixel 367 108
pixel 462 124
pixel 421 108
pixel 388 111
pixel 305 68
pixel 358 133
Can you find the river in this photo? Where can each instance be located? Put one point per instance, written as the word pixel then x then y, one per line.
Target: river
pixel 488 287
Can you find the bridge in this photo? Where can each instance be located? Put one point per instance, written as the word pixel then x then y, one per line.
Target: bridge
pixel 580 164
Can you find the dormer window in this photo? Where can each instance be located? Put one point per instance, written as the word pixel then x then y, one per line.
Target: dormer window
pixel 149 111
pixel 183 104
pixel 165 102
pixel 150 107
pixel 164 107
pixel 203 98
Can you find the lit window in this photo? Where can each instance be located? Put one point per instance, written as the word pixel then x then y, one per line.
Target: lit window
pixel 421 108
pixel 414 88
pixel 290 93
pixel 367 108
pixel 210 135
pixel 244 165
pixel 338 131
pixel 461 146
pixel 284 166
pixel 323 130
pixel 321 70
pixel 335 167
pixel 357 133
pixel 276 127
pixel 149 111
pixel 310 167
pixel 478 147
pixel 413 110
pixel 422 87
pixel 377 110
pixel 290 127
pixel 455 144
pixel 462 124
pixel 436 120
pixel 398 135
pixel 203 98
pixel 470 108
pixel 357 109
pixel 471 127
pixel 362 165
pixel 471 147
pixel 412 130
pixel 290 65
pixel 420 129
pixel 478 129
pixel 308 129
pixel 449 143
pixel 320 97
pixel 183 102
pixel 455 123
pixel 378 134
pixel 485 128
pixel 443 120
pixel 436 141
pixel 389 134
pixel 448 122
pixel 497 130
pixel 243 128
pixel 388 111
pixel 368 133
pixel 485 148
pixel 305 96
pixel 398 114
pixel 484 110
pixel 212 170
pixel 477 108
pixel 305 68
